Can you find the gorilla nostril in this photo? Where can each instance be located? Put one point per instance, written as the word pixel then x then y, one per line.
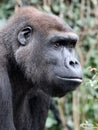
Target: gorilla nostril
pixel 76 63
pixel 71 63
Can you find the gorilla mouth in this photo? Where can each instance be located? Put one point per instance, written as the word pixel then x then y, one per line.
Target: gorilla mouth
pixel 71 79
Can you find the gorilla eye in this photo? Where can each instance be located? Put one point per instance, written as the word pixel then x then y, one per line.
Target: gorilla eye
pixel 72 44
pixel 59 43
pixel 25 35
pixel 65 43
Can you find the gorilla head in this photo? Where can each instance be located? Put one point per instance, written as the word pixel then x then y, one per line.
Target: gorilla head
pixel 44 48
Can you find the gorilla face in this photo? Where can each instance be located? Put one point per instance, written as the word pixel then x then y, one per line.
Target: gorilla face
pixel 64 69
pixel 45 51
pixel 51 62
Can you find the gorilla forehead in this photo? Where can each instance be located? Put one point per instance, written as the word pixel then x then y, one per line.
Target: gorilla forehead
pixel 47 21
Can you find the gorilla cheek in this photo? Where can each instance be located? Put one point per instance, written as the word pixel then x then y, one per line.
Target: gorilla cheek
pixel 21 55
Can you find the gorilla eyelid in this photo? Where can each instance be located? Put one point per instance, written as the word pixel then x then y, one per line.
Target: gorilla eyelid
pixel 66 43
pixel 59 43
pixel 63 41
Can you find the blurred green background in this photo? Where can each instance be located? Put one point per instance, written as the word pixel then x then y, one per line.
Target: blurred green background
pixel 77 110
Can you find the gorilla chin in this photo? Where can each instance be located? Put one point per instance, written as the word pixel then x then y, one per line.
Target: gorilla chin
pixel 64 85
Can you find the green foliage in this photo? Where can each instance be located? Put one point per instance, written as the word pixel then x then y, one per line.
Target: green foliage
pixel 6 9
pixel 50 120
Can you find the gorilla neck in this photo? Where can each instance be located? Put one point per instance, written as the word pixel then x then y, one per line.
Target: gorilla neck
pixel 29 105
pixel 20 85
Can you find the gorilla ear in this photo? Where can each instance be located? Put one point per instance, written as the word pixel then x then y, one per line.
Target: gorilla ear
pixel 25 35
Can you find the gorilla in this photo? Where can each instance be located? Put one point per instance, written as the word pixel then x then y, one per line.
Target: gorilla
pixel 37 62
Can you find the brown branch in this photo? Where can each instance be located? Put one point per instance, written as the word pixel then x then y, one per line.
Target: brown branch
pixel 76 116
pixel 61 111
pixel 61 11
pixel 82 9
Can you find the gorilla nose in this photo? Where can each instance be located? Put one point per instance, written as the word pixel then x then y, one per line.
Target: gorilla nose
pixel 71 62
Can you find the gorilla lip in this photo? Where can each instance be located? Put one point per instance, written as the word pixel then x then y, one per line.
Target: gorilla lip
pixel 74 79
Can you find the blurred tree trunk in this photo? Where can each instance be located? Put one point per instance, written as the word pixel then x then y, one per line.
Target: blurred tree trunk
pixel 76 115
